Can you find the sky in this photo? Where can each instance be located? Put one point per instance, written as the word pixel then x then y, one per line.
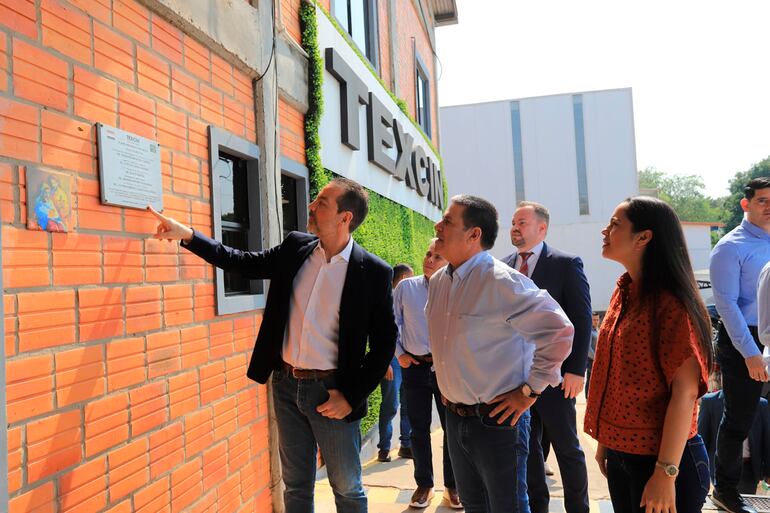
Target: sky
pixel 699 71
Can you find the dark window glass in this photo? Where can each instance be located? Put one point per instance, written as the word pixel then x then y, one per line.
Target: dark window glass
pixel 356 17
pixel 422 95
pixel 289 204
pixel 235 283
pixel 234 202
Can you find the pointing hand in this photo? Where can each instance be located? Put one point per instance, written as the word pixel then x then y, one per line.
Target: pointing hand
pixel 170 229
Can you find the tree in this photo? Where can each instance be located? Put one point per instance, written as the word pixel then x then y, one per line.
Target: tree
pixel 684 193
pixel 733 213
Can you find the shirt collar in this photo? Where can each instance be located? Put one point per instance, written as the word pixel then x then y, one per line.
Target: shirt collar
pixel 536 250
pixel 755 230
pixel 342 255
pixel 467 266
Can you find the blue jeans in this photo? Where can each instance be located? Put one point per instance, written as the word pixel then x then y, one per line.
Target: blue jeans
pixel 420 393
pixel 490 462
pixel 392 394
pixel 300 428
pixel 627 475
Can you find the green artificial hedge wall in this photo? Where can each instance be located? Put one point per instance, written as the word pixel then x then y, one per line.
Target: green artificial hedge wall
pixel 391 231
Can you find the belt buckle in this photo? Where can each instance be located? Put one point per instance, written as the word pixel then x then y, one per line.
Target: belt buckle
pixel 461 411
pixel 294 373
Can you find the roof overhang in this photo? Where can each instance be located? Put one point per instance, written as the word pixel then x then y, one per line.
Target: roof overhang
pixel 444 12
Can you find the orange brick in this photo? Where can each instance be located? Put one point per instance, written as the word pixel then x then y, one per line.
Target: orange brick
pixel 212 382
pixel 214 465
pixel 235 117
pixel 66 30
pixel 207 504
pixel 244 333
pixel 141 222
pixel 154 497
pixel 106 423
pixel 123 507
pixel 53 444
pixel 211 105
pixel 160 260
pixel 92 214
pixel 19 127
pixel 186 175
pixel 238 448
pixel 41 499
pixel 123 260
pixel 148 408
pixel 85 488
pixel 222 74
pixel 195 346
pixel 247 407
pixel 101 313
pixel 38 76
pixel 178 304
pixel 143 309
pixel 14 459
pixel 11 330
pixel 243 87
pixel 128 468
pixel 199 431
pixel 113 53
pixel 96 97
pixel 163 353
pixel 166 449
pixel 67 143
pixel 79 375
pixel 204 302
pixel 77 259
pixel 132 19
pixel 186 484
pixel 29 387
pixel 197 58
pixel 137 113
pixel 3 62
pixel 236 373
pixel 8 187
pixel 172 128
pixel 125 363
pixel 183 393
pixel 43 324
pixel 221 339
pixel 198 138
pixel 228 494
pixel 153 74
pixel 184 91
pixel 99 9
pixel 224 418
pixel 19 16
pixel 166 39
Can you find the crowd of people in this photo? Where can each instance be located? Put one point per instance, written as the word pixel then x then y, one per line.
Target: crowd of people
pixel 502 348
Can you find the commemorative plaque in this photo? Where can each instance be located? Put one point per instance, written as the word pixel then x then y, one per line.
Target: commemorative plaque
pixel 129 169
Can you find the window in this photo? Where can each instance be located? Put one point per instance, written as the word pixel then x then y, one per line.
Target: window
pixel 359 19
pixel 580 154
pixel 236 215
pixel 518 157
pixel 294 196
pixel 422 94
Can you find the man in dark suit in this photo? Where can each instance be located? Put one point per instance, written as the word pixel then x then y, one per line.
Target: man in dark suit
pixel 756 465
pixel 562 275
pixel 327 298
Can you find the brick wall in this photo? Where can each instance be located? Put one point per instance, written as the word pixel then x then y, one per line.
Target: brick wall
pixel 125 392
pixel 292 131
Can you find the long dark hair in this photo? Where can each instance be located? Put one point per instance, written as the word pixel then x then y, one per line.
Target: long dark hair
pixel 666 263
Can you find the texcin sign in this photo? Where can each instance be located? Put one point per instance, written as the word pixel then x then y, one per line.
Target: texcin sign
pixel 366 137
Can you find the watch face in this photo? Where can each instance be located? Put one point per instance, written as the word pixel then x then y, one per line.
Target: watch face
pixel 671 471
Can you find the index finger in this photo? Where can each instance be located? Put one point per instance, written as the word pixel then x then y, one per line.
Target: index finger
pixel 156 213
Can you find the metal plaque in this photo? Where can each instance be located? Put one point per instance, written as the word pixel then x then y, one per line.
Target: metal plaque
pixel 129 169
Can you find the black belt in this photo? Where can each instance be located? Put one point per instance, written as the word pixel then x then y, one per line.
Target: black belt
pixel 308 374
pixel 422 358
pixel 470 410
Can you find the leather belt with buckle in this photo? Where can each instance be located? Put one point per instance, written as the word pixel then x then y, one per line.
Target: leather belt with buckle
pixel 422 358
pixel 470 410
pixel 309 374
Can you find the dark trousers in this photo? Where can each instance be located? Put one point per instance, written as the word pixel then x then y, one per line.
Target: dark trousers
pixel 749 482
pixel 741 395
pixel 490 462
pixel 627 475
pixel 420 393
pixel 556 415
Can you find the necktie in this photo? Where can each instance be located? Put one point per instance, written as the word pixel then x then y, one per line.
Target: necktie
pixel 524 269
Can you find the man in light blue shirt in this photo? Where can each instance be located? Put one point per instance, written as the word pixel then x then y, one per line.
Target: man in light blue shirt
pixel 498 341
pixel 420 385
pixel 736 262
pixel 763 306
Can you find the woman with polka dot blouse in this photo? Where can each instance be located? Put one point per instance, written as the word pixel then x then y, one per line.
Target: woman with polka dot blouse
pixel 652 363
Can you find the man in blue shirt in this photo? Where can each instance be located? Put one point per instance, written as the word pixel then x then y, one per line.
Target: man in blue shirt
pixel 420 385
pixel 736 262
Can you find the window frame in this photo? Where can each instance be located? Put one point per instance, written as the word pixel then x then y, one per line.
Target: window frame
pixel 226 142
pixel 371 25
pixel 421 72
pixel 295 170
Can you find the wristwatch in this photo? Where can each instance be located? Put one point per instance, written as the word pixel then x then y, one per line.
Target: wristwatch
pixel 669 469
pixel 528 392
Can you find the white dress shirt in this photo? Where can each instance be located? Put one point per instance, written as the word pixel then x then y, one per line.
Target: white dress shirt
pixel 492 329
pixel 531 261
pixel 763 306
pixel 311 340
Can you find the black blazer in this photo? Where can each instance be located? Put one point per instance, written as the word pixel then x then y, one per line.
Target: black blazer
pixel 561 274
pixel 366 310
pixel 709 417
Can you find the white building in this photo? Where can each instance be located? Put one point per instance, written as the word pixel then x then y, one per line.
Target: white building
pixel 575 153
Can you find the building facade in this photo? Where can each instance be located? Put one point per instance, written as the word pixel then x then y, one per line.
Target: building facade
pixel 574 153
pixel 124 356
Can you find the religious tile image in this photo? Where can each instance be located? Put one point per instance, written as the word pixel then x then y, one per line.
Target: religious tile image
pixel 49 200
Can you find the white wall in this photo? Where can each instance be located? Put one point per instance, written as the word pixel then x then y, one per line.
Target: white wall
pixel 478 159
pixel 698 237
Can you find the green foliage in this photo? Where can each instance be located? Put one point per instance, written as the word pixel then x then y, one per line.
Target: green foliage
pixel 733 213
pixel 391 231
pixel 684 193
